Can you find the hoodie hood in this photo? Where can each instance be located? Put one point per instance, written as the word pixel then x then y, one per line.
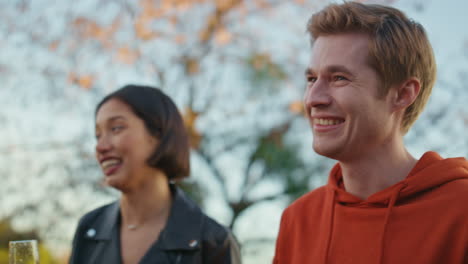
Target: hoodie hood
pixel 421 219
pixel 430 171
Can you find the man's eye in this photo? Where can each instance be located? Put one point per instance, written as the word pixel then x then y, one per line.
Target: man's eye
pixel 311 79
pixel 340 78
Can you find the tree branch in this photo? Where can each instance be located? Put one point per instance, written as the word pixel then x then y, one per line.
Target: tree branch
pixel 216 172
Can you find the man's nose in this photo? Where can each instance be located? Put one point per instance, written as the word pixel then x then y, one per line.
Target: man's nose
pixel 317 95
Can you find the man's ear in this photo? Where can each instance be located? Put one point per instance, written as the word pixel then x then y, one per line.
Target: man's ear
pixel 406 93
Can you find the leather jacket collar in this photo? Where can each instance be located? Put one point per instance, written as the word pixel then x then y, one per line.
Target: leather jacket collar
pixel 182 231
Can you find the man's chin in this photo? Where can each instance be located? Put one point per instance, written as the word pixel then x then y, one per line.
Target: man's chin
pixel 326 151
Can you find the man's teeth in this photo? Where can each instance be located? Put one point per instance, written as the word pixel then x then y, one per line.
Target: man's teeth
pixel 109 162
pixel 327 122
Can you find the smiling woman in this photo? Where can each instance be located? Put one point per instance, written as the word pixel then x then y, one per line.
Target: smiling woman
pixel 142 148
pixel 118 130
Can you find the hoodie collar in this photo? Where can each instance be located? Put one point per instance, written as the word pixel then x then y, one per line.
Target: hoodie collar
pixel 182 231
pixel 429 172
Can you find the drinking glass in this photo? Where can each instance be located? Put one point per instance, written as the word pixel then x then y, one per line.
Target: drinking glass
pixel 23 252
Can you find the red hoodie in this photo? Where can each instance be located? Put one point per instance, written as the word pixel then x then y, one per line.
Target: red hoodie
pixel 420 220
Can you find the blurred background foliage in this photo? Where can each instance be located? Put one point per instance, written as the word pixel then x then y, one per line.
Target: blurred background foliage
pixel 8 234
pixel 235 69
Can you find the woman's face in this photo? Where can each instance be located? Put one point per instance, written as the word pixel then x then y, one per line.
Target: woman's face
pixel 123 146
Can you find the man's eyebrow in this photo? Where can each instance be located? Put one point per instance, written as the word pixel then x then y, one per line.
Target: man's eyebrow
pixel 308 71
pixel 330 69
pixel 338 68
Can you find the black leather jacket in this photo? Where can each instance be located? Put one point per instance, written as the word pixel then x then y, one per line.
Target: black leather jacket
pixel 189 237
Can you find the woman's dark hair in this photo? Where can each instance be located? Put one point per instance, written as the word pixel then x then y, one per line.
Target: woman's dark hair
pixel 164 122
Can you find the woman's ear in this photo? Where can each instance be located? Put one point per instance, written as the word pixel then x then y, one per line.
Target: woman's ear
pixel 406 93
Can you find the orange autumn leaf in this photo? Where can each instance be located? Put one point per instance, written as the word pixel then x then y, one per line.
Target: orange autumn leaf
pixel 84 81
pixel 192 65
pixel 222 36
pixel 53 45
pixel 127 56
pixel 90 29
pixel 190 118
pixel 180 5
pixel 243 11
pixel 297 107
pixel 183 6
pixel 261 60
pixel 262 4
pixel 173 20
pixel 167 5
pixel 142 31
pixel 149 9
pixel 204 35
pixel 213 21
pixel 180 39
pixel 226 5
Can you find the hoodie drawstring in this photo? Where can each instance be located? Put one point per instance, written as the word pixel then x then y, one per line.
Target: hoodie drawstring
pixel 330 227
pixel 391 204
